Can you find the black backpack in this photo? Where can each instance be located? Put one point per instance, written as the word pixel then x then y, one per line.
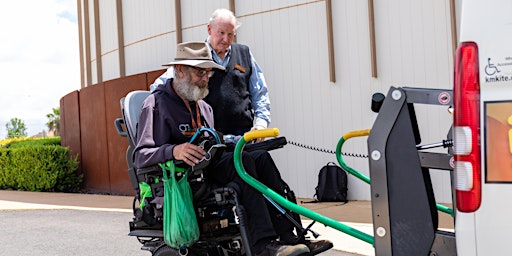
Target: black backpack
pixel 332 184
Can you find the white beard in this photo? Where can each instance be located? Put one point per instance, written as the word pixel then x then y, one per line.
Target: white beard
pixel 189 91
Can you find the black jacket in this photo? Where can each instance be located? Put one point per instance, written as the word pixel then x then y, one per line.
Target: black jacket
pixel 163 121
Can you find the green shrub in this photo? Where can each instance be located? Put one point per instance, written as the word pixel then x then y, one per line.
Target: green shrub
pixel 38 166
pixel 30 142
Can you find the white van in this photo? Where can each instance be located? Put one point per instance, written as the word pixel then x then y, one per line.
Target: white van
pixel 483 128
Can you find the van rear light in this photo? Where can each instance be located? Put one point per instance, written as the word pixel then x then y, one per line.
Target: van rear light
pixel 464 176
pixel 466 123
pixel 462 135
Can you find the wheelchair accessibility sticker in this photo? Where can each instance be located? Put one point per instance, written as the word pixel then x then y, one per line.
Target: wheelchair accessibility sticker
pixel 498 71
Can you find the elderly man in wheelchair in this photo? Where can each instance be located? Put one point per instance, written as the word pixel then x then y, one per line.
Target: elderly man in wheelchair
pixel 173 126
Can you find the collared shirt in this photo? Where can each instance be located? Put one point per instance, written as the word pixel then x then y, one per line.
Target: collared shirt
pixel 258 89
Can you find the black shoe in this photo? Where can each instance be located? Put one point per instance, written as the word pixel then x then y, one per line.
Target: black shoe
pixel 276 249
pixel 318 246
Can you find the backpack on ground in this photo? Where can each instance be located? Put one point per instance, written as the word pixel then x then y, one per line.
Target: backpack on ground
pixel 332 184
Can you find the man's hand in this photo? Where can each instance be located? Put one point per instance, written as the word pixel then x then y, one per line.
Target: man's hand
pixel 257 127
pixel 189 153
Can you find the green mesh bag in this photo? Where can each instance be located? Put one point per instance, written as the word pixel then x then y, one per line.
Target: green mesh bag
pixel 180 223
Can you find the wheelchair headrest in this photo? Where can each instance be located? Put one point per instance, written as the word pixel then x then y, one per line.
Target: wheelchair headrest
pixel 131 106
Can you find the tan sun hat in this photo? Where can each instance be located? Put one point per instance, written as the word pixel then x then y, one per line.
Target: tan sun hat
pixel 195 54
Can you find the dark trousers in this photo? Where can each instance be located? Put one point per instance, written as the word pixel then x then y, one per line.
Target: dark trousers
pixel 268 174
pixel 260 165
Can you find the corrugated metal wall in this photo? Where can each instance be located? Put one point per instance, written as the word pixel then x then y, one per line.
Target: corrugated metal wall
pixel 289 41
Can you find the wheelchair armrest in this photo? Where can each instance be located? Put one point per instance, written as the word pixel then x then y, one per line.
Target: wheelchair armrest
pixel 213 153
pixel 267 145
pixel 119 122
pixel 150 169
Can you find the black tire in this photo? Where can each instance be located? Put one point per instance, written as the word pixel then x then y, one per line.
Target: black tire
pixel 166 251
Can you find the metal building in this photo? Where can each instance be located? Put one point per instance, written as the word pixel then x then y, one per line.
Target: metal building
pixel 322 60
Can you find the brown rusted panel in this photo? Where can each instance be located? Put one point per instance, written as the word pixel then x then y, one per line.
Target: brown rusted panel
pixel 151 76
pixel 117 145
pixel 94 139
pixel 87 127
pixel 70 125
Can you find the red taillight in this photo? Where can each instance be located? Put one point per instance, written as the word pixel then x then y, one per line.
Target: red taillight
pixel 466 132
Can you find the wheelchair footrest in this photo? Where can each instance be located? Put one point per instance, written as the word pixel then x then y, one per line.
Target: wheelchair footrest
pixel 147 233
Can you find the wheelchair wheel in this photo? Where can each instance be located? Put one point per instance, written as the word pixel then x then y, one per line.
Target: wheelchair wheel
pixel 166 251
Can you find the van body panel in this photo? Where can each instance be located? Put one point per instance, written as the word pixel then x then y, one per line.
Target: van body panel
pixel 487 230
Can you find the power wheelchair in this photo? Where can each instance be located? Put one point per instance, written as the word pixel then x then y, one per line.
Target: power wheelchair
pixel 221 219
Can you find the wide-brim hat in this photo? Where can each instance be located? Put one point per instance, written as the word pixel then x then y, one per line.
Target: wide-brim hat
pixel 195 54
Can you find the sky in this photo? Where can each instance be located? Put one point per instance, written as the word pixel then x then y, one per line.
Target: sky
pixel 39 60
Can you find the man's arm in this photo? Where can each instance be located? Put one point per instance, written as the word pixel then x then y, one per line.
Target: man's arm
pixel 146 152
pixel 168 74
pixel 259 96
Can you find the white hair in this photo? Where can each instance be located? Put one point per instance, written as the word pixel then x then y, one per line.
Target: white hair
pixel 224 13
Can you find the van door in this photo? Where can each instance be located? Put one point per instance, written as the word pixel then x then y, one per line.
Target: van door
pixel 483 128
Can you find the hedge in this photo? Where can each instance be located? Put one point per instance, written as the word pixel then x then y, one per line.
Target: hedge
pixel 30 142
pixel 34 167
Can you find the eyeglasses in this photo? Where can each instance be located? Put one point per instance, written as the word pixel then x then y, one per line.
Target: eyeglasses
pixel 201 72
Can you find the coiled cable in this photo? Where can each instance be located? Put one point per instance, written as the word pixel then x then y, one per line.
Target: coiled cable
pixel 325 150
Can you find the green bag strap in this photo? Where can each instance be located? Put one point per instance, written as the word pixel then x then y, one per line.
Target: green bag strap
pixel 172 168
pixel 145 191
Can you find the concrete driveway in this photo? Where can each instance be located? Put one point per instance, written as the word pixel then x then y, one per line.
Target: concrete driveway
pixel 34 223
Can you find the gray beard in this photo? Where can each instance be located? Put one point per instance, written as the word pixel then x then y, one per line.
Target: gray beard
pixel 190 91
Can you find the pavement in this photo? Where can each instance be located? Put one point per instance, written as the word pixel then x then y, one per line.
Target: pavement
pixel 356 214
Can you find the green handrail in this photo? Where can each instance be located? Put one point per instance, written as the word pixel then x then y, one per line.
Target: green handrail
pixel 361 176
pixel 272 132
pixel 339 155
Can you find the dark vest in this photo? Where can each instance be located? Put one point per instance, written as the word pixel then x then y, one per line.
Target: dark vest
pixel 229 94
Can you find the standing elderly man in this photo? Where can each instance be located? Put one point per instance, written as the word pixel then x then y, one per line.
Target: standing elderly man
pixel 160 137
pixel 239 94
